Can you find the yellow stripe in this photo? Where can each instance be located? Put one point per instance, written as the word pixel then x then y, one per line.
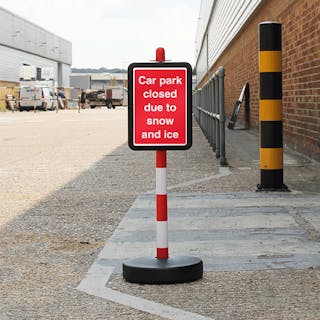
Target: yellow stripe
pixel 270 110
pixel 270 61
pixel 271 158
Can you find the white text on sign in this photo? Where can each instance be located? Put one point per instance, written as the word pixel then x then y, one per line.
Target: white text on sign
pixel 160 134
pixel 162 81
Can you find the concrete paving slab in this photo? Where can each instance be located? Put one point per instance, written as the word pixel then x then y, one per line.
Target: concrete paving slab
pixel 229 231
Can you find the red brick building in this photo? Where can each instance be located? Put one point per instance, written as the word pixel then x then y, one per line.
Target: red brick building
pixel 227 35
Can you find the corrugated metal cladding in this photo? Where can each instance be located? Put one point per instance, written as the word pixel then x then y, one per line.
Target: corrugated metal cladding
pixel 223 19
pixel 21 42
pixel 81 81
pixel 203 19
pixel 66 72
pixel 12 59
pixel 202 63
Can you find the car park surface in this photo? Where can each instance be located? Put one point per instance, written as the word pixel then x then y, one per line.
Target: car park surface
pixel 75 200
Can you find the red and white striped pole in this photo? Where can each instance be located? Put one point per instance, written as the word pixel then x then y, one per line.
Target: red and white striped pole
pixel 161 204
pixel 161 191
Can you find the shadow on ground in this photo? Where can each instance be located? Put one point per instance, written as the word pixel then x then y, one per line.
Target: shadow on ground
pixel 46 251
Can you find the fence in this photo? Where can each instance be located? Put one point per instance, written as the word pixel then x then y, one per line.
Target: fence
pixel 208 109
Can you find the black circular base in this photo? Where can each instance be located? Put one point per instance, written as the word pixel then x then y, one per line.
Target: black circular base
pixel 177 269
pixel 282 188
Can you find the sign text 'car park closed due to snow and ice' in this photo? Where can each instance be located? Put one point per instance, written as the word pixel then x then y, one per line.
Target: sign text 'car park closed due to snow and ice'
pixel 159 105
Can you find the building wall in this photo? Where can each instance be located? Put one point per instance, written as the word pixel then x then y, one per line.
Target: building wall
pixel 21 34
pixel 301 69
pixel 22 42
pixel 219 22
pixel 80 81
pixel 102 81
pixel 65 75
pixel 11 60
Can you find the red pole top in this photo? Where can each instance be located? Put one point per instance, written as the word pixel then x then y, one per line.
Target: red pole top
pixel 160 55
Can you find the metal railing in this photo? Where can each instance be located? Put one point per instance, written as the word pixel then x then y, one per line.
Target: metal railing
pixel 208 110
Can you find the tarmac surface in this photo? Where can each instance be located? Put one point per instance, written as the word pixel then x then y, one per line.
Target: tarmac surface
pixel 75 202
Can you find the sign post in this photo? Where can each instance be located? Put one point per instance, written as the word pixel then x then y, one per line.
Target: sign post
pixel 160 118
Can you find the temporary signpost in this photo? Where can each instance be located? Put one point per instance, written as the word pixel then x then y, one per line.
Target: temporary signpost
pixel 160 118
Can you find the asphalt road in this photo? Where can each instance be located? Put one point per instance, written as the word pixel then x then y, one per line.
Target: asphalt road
pixel 73 195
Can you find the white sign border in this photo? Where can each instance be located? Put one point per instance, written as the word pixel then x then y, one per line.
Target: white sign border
pixel 186 107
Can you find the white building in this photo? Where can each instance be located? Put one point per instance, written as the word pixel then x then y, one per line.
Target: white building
pixel 98 81
pixel 101 81
pixel 25 43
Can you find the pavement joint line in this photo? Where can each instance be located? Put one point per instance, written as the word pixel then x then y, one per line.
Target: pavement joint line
pixel 98 276
pixel 95 284
pixel 313 233
pixel 223 172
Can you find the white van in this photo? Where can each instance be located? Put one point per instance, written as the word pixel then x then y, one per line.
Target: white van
pixel 35 97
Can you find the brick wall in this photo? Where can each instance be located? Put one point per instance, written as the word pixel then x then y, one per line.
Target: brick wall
pixel 301 70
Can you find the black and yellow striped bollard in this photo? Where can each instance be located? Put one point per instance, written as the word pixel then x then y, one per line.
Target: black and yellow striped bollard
pixel 271 147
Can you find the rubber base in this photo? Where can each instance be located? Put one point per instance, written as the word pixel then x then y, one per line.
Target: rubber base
pixel 177 269
pixel 283 188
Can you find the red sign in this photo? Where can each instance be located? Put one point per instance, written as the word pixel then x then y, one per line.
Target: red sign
pixel 159 106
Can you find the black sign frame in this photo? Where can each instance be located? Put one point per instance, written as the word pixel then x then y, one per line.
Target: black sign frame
pixel 153 65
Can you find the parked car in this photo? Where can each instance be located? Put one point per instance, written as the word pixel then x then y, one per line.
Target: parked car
pixel 35 97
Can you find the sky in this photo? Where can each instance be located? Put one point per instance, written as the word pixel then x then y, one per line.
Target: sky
pixel 115 33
